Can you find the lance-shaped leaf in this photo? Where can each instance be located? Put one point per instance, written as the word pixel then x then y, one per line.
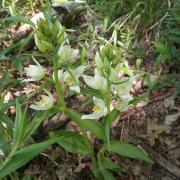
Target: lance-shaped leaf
pixel 24 155
pixel 37 120
pixel 129 150
pixel 19 125
pixel 96 128
pixel 73 142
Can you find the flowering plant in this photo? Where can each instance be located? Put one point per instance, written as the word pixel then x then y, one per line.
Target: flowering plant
pixel 110 89
pixel 113 79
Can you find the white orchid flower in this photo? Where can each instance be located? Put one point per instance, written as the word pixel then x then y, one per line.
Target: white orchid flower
pixel 97 82
pixel 71 78
pixel 66 53
pixel 123 88
pixel 99 110
pixel 35 72
pixel 122 103
pixel 45 103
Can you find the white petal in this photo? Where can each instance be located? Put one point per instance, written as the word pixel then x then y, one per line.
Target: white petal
pixel 90 81
pixel 36 72
pixel 101 104
pixel 49 100
pixel 66 75
pixel 95 115
pixel 98 101
pixel 67 53
pixel 37 17
pixel 75 88
pixel 37 108
pixel 75 53
pixel 79 71
pixel 102 82
pixel 98 61
pixel 50 96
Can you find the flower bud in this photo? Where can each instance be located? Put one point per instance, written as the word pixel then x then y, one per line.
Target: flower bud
pixel 108 58
pixel 35 72
pixel 49 35
pixel 67 54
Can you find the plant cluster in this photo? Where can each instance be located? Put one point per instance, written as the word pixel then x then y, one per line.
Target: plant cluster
pixel 109 87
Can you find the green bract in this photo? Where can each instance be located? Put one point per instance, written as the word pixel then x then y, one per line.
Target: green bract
pixel 49 35
pixel 108 58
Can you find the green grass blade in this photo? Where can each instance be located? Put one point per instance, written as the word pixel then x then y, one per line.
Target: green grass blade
pixel 128 150
pixel 24 155
pixel 18 19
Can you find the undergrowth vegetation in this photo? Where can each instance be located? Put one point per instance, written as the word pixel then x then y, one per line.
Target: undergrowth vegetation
pixel 98 52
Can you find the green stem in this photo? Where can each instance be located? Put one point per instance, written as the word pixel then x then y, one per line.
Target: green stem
pixel 58 86
pixel 9 157
pixel 89 144
pixel 60 94
pixel 108 120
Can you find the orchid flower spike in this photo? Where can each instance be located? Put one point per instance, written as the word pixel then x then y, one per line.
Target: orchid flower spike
pixel 35 72
pixel 99 110
pixel 45 103
pixel 97 82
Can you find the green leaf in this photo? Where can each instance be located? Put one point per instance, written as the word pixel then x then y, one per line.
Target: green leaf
pixel 73 142
pixel 8 124
pixel 138 99
pixel 138 63
pixel 8 50
pixel 7 120
pixel 83 56
pixel 3 139
pixel 38 119
pixel 92 92
pixel 24 155
pixel 18 122
pixel 6 81
pixel 18 19
pixel 107 175
pixel 114 114
pixel 86 124
pixel 108 164
pixel 149 81
pixel 128 150
pixel 4 107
